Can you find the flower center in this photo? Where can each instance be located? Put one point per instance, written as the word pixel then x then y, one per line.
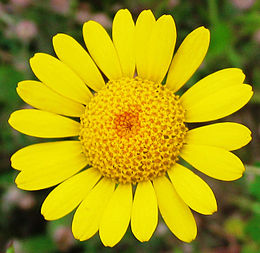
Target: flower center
pixel 133 130
pixel 127 123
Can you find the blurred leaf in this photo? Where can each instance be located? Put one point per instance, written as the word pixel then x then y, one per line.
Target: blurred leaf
pixel 10 249
pixel 256 98
pixel 256 76
pixel 250 247
pixel 39 244
pixel 221 36
pixel 254 187
pixel 235 58
pixel 256 208
pixel 235 226
pixel 177 250
pixel 253 228
pixel 6 179
pixel 249 22
pixel 8 81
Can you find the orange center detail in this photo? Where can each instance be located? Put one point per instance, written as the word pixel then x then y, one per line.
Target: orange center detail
pixel 127 124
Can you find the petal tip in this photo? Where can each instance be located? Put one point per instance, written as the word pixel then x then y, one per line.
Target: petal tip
pixel 20 83
pixel 249 89
pixel 35 57
pixel 203 32
pixel 206 33
pixel 189 239
pixel 46 215
pixel 18 89
pixel 11 119
pixel 18 181
pixel 147 12
pixel 90 22
pixel 12 162
pixel 213 210
pixel 76 235
pixel 121 11
pixel 32 59
pixel 109 244
pixel 143 239
pixel 166 18
pixel 57 37
pixel 239 175
pixel 203 28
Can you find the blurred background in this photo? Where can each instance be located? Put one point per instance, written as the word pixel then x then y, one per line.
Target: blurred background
pixel 27 27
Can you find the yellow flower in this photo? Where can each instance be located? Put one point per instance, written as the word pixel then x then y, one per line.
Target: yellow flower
pixel 132 129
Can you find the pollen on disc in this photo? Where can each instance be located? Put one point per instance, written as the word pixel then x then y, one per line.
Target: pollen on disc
pixel 133 130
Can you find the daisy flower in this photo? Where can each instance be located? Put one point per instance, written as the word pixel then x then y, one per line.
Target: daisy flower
pixel 127 131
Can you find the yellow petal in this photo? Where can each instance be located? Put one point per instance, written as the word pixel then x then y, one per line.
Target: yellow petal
pixel 144 217
pixel 33 156
pixel 116 216
pixel 214 162
pixel 75 56
pixel 41 97
pixel 43 124
pixel 212 83
pixel 174 211
pixel 216 88
pixel 47 164
pixel 59 77
pixel 123 38
pixel 193 190
pixel 218 104
pixel 87 217
pixel 144 26
pixel 66 196
pixel 227 135
pixel 188 58
pixel 159 49
pixel 102 49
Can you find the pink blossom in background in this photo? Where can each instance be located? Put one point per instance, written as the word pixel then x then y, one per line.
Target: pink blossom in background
pixel 27 202
pixel 103 19
pixel 26 30
pixel 2 8
pixel 161 229
pixel 83 13
pixel 172 3
pixel 14 197
pixel 63 238
pixel 243 4
pixel 20 3
pixel 60 6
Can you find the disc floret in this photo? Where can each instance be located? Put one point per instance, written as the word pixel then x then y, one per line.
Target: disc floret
pixel 133 130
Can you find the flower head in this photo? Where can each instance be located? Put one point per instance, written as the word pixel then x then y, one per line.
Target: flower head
pixel 124 138
pixel 131 129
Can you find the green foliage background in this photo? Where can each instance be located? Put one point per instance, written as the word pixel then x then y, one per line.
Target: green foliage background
pixel 235 42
